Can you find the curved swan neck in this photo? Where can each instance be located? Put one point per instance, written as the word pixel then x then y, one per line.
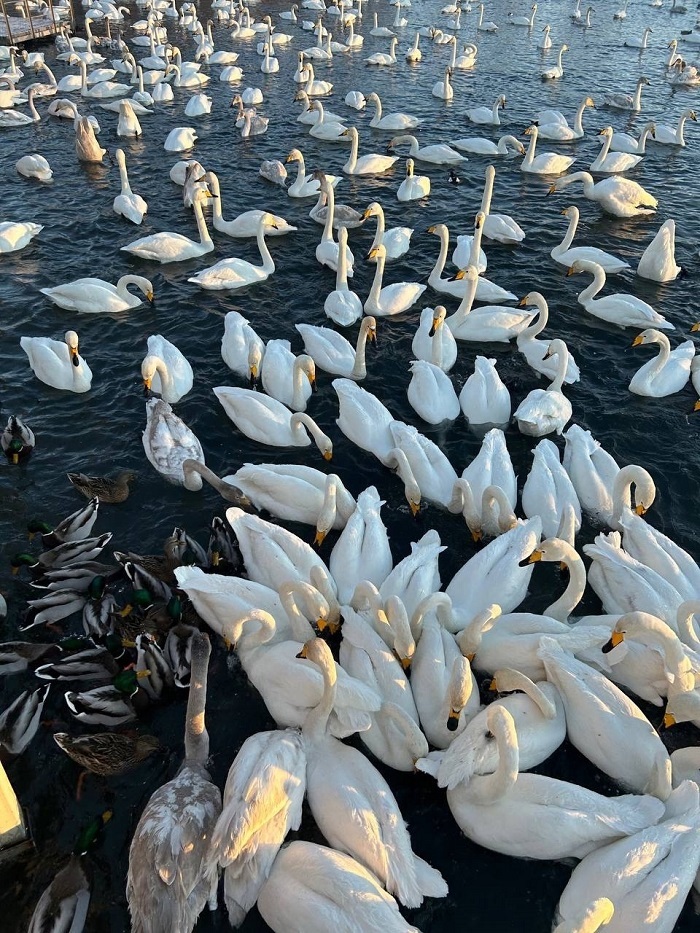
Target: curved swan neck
pixel 685 625
pixel 508 680
pixel 381 225
pixel 217 200
pixel 562 551
pixel 492 787
pixel 540 322
pixel 570 232
pixel 578 119
pixel 196 736
pixel 301 629
pixel 530 154
pixel 374 293
pixel 562 365
pixel 645 490
pixel 204 237
pixel 316 722
pixel 494 495
pixel 268 263
pixel 359 369
pixel 438 601
pixel 354 146
pixel 195 466
pixel 444 235
pixel 597 285
pixel 301 420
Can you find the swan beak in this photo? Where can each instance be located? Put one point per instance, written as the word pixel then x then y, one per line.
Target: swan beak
pixel 696 406
pixel 321 625
pixel 552 189
pixel 372 335
pixel 570 271
pixel 493 686
pixel 458 276
pixel 320 537
pixel 563 211
pixel 327 454
pixel 477 535
pixel 373 253
pixel 146 384
pixel 150 296
pixel 414 507
pixel 669 720
pixel 640 509
pixel 289 158
pixel 433 329
pixel 470 657
pixel 638 341
pixel 523 302
pixel 367 213
pixel 405 663
pixel 533 558
pixel 616 638
pixel 431 229
pixel 302 653
pixel 695 328
pixel 75 359
pixel 478 223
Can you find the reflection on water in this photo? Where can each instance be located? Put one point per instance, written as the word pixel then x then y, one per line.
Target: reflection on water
pixel 101 430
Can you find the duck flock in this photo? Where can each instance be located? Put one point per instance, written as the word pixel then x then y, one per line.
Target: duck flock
pixel 405 440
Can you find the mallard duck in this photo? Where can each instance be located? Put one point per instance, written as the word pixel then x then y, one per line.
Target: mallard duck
pixel 223 552
pixel 96 664
pixel 107 753
pixel 17 440
pixel 178 651
pixel 19 722
pixel 16 656
pixel 76 527
pixel 63 555
pixel 109 705
pixel 54 606
pixel 64 904
pixel 159 566
pixel 76 577
pixel 152 663
pixel 97 611
pixel 142 579
pixel 106 489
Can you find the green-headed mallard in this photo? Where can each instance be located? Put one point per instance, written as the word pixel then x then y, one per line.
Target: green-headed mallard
pixel 97 611
pixel 160 566
pixel 19 722
pixel 17 440
pixel 143 579
pixel 151 661
pixel 16 656
pixel 107 753
pixel 107 706
pixel 106 489
pixel 94 663
pixel 76 527
pixel 63 555
pixel 64 904
pixel 173 834
pixel 76 577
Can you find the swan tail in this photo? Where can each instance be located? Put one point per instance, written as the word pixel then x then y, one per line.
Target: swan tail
pixel 632 813
pixel 431 763
pixel 431 882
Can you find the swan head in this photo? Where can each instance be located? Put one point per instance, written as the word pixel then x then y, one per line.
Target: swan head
pixel 471 274
pixel 71 339
pixel 439 315
pixel 469 638
pixel 556 348
pixel 295 156
pixel 479 220
pixel 255 356
pixel 409 167
pixel 373 210
pixel 650 335
pixel 606 131
pixel 377 251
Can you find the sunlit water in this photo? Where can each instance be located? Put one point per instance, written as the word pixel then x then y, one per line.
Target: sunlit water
pixel 100 430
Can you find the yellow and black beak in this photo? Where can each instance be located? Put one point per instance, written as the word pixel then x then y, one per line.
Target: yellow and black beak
pixel 616 638
pixel 638 341
pixel 477 534
pixel 452 721
pixel 302 653
pixel 415 508
pixel 523 302
pixel 320 537
pixel 669 720
pixel 327 454
pixel 640 509
pixel 75 359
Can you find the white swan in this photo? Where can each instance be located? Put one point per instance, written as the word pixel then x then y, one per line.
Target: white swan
pixel 620 197
pixel 311 886
pixel 396 241
pixel 268 421
pixel 490 517
pixel 661 858
pixel 545 410
pixel 165 370
pixel 353 805
pixel 126 203
pixel 390 299
pixel 384 58
pixel 328 250
pixel 494 575
pixel 233 273
pixel 305 186
pixel 362 551
pixel 433 341
pixel 624 142
pixel 668 136
pixel 527 21
pixel 621 309
pixel 548 490
pixel 168 442
pixel 534 350
pixel 342 305
pixel 567 255
pixel 416 576
pixel 607 162
pixel 533 816
pixel 487 116
pixel 620 101
pixel 481 146
pixel 333 353
pixel 413 187
pixel 551 127
pixel 325 128
pixel 482 26
pixel 658 261
pixel 431 393
pixel 488 323
pixel 492 466
pixel 444 689
pixel 422 466
pixel 592 471
pixel 668 371
pixel 371 164
pixel 540 726
pixel 439 154
pixel 443 90
pixel 247 223
pixel 500 227
pixel 547 163
pixel 174 247
pixel 484 399
pixel 34 166
pixel 288 378
pixel 606 726
pixel 241 346
pixel 296 493
pixel 128 123
pixel 390 121
pixel 364 419
pixel 95 296
pixel 58 362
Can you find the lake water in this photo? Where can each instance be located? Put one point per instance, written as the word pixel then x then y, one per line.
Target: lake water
pixel 101 429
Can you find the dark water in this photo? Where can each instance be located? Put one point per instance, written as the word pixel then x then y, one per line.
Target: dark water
pixel 101 429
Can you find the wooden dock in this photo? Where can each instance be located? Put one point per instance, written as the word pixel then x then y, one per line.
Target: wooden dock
pixel 24 21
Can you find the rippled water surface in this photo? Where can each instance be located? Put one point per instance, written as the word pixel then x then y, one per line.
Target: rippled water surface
pixel 102 429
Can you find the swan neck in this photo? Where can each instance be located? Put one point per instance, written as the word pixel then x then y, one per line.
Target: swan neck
pixel 562 608
pixel 124 178
pixel 375 291
pixel 597 285
pixel 562 365
pixel 442 256
pixel 381 226
pixel 268 263
pixel 204 237
pixel 530 154
pixel 493 787
pixel 196 736
pixel 316 722
pixel 359 369
pixel 341 275
pixel 578 119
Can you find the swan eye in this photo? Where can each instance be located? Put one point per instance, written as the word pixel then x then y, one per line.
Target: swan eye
pixel 488 735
